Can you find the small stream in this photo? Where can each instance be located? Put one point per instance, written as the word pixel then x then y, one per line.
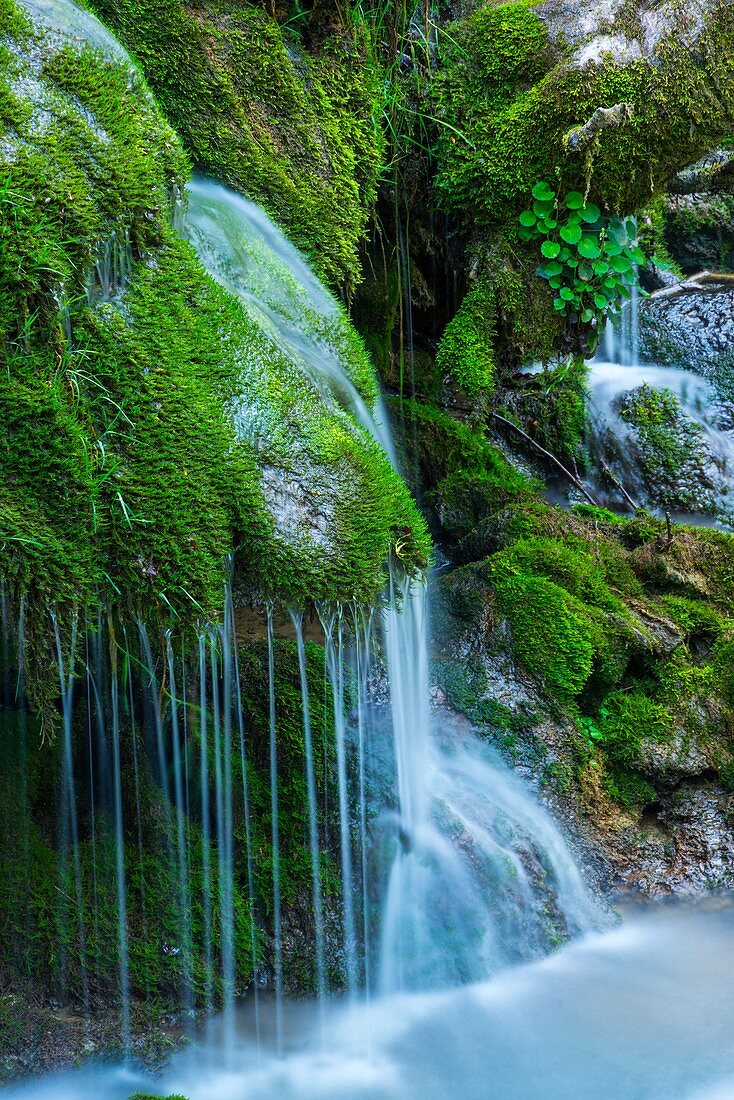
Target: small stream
pixel 660 437
pixel 643 1012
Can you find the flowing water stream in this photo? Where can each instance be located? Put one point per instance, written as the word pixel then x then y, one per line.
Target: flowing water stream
pixel 682 462
pixel 455 882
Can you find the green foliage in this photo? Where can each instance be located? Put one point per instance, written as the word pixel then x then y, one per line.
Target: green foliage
pixel 466 352
pixel 722 660
pixel 468 476
pixel 514 120
pixel 571 566
pixel 550 405
pixel 41 950
pixel 671 453
pixel 591 261
pixel 124 363
pixel 291 128
pixel 696 618
pixel 551 635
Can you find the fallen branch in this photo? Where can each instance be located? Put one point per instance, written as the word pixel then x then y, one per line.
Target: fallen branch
pixel 603 117
pixel 571 477
pixel 618 485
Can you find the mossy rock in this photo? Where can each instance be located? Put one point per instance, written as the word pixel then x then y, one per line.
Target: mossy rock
pixel 127 365
pixel 290 127
pixel 590 103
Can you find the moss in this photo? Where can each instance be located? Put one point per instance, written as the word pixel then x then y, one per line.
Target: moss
pixel 126 365
pixel 42 951
pixel 670 449
pixel 509 100
pixel 465 475
pixel 697 619
pixel 627 719
pixel 291 128
pixel 653 234
pixel 155 1096
pixel 466 353
pixel 568 626
pixel 550 405
pixel 514 124
pixel 722 661
pixel 551 635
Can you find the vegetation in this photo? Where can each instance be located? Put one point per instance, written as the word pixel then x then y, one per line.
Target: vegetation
pixel 184 444
pixel 289 124
pixel 173 955
pixel 124 361
pixel 590 262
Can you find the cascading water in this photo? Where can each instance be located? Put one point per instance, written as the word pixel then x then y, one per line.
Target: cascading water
pixel 450 870
pixel 660 436
pixel 438 921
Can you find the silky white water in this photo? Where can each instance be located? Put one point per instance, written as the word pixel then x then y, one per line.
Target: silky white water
pixel 615 374
pixel 643 1012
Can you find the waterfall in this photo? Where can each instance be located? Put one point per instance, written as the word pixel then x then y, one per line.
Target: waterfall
pixel 441 869
pixel 695 479
pixel 275 838
pixel 448 870
pixel 313 826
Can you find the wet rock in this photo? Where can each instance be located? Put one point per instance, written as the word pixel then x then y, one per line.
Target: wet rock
pixel 670 761
pixel 680 841
pixel 692 326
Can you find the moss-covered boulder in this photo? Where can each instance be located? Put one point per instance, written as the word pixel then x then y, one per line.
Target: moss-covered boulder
pixel 608 101
pixel 129 368
pixel 283 112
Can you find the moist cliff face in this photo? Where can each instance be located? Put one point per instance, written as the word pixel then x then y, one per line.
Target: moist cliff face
pixel 160 441
pixel 168 444
pixel 595 651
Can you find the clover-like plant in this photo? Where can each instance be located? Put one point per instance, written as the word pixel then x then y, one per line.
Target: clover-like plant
pixel 591 262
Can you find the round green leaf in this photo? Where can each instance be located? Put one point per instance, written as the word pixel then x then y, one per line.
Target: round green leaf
pixel 542 208
pixel 571 234
pixel 554 268
pixel 612 248
pixel 527 218
pixel 543 192
pixel 620 264
pixel 600 301
pixel 550 249
pixel 559 304
pixel 566 293
pixel 590 213
pixel 589 248
pixel 555 281
pixel 585 272
pixel 587 315
pixel 574 200
pixel 637 256
pixel 600 267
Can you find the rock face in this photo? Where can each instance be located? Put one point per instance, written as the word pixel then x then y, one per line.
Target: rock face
pixel 699 214
pixel 691 325
pixel 681 844
pixel 244 389
pixel 607 29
